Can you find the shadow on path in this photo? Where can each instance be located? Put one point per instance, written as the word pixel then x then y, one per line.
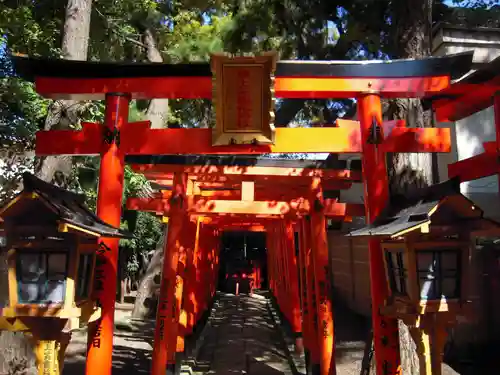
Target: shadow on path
pixel 242 339
pixel 131 350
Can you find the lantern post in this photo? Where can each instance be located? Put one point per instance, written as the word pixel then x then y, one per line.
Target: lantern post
pixel 54 250
pixel 426 260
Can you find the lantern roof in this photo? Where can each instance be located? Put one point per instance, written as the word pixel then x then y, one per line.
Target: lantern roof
pixel 437 205
pixel 66 206
pixel 455 66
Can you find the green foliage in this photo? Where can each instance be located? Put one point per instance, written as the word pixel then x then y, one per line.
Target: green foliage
pixel 22 112
pixel 192 40
pixel 146 234
pixel 135 184
pixel 33 28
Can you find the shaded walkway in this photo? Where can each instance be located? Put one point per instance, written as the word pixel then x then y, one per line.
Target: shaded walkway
pixel 242 339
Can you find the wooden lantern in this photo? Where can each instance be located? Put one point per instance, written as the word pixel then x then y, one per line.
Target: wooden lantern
pixel 425 238
pixel 51 244
pixel 243 98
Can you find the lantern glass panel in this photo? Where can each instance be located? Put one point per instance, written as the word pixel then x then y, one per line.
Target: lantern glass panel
pixel 32 269
pixel 397 272
pixel 439 273
pixel 41 277
pixel 56 277
pixel 84 275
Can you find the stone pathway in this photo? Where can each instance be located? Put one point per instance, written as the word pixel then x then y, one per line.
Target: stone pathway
pixel 133 343
pixel 242 340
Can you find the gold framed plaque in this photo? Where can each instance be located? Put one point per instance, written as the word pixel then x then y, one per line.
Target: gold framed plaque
pixel 243 97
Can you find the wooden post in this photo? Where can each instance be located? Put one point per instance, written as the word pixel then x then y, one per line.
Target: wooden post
pixel 46 357
pixel 205 268
pixel 179 323
pixel 270 263
pixel 282 250
pixel 49 344
pixel 200 269
pixel 216 262
pixel 385 330
pixel 293 281
pixel 311 298
pixel 279 268
pixel 430 334
pixel 166 302
pixel 323 298
pixel 305 307
pixel 190 302
pixel 198 265
pixel 496 109
pixel 109 203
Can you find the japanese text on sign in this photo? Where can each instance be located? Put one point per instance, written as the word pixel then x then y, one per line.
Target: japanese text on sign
pixel 244 100
pixel 99 281
pixel 48 357
pixel 162 307
pixel 96 339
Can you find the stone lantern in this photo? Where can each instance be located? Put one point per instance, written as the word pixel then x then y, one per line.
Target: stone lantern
pixel 50 242
pixel 425 237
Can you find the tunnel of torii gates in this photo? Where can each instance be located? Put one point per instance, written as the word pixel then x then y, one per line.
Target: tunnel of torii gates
pixel 280 200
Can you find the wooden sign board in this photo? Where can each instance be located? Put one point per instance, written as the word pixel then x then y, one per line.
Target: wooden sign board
pixel 243 98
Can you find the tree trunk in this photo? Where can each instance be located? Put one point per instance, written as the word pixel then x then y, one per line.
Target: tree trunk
pixel 144 306
pixel 412 39
pixel 65 113
pixel 157 113
pixel 123 290
pixel 158 108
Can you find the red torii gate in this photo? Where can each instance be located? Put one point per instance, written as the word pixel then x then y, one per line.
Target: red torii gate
pixel 119 83
pixel 255 215
pixel 476 92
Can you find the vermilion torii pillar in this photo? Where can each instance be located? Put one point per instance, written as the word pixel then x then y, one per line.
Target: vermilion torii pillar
pixel 100 333
pixel 166 326
pixel 385 331
pixel 321 261
pixel 293 280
